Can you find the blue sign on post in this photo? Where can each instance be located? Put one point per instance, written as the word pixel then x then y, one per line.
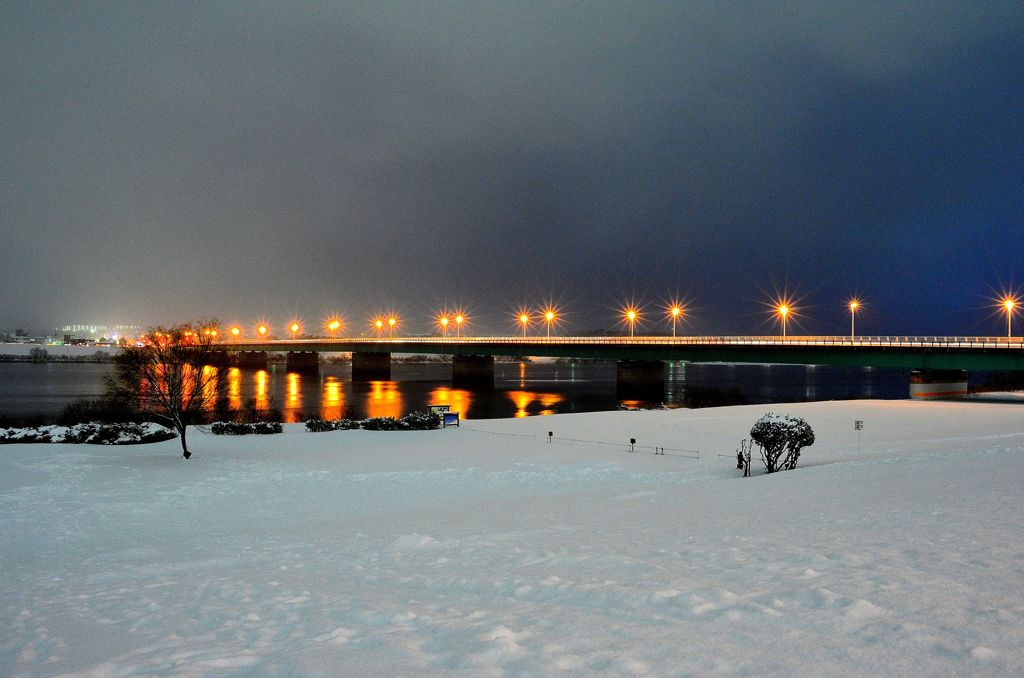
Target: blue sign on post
pixel 450 419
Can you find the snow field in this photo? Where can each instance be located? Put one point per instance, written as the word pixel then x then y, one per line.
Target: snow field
pixel 486 550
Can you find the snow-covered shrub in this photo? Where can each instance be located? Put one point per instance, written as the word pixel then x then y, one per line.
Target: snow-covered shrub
pixel 781 437
pixel 237 428
pixel 420 421
pixel 415 421
pixel 266 427
pixel 380 424
pixel 93 433
pixel 317 425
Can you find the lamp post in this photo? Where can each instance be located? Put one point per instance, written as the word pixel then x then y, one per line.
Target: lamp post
pixel 783 311
pixel 549 317
pixel 524 320
pixel 262 330
pixel 235 332
pixel 1010 304
pixel 631 317
pixel 333 326
pixel 379 325
pixel 675 312
pixel 294 329
pixel 854 305
pixel 443 321
pixel 392 321
pixel 459 319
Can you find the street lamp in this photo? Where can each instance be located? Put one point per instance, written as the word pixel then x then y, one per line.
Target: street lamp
pixel 333 326
pixel 459 319
pixel 675 312
pixel 783 311
pixel 632 315
pixel 854 305
pixel 1010 304
pixel 379 325
pixel 262 329
pixel 523 318
pixel 443 322
pixel 549 317
pixel 235 331
pixel 294 328
pixel 392 321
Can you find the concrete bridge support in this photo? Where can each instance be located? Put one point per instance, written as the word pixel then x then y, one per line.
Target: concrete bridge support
pixel 473 370
pixel 303 361
pixel 256 360
pixel 640 379
pixel 371 366
pixel 938 384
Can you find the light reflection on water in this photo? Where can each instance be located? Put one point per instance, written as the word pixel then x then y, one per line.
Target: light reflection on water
pixel 520 389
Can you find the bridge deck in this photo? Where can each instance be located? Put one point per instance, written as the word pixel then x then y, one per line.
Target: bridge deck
pixel 961 352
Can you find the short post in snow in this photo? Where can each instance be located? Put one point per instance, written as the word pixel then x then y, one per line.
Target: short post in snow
pixel 858 426
pixel 632 442
pixel 550 434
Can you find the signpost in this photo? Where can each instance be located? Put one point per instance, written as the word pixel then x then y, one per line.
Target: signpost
pixel 449 419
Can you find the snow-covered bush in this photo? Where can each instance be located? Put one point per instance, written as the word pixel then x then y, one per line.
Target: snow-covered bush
pixel 93 433
pixel 415 421
pixel 781 437
pixel 237 428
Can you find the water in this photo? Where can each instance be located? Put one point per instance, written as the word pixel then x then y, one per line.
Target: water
pixel 520 389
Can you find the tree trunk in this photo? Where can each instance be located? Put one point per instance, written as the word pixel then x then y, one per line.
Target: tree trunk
pixel 184 448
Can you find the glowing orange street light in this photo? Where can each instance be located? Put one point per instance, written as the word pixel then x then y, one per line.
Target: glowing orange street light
pixel 783 310
pixel 854 305
pixel 524 320
pixel 443 322
pixel 262 329
pixel 235 331
pixel 1010 305
pixel 631 314
pixel 333 326
pixel 392 321
pixel 675 312
pixel 294 328
pixel 379 325
pixel 459 319
pixel 549 317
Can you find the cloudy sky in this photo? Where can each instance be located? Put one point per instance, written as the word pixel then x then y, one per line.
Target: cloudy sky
pixel 168 161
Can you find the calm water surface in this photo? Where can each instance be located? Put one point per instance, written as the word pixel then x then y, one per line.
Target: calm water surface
pixel 520 389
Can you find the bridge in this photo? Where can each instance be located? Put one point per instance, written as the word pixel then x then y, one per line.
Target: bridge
pixel 937 361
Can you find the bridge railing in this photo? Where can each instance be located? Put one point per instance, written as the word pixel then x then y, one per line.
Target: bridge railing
pixel 962 342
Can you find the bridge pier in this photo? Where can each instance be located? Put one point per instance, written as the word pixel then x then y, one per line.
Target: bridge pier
pixel 252 359
pixel 473 370
pixel 938 384
pixel 303 361
pixel 640 379
pixel 371 366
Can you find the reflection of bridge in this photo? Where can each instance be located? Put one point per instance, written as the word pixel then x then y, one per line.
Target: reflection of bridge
pixel 641 360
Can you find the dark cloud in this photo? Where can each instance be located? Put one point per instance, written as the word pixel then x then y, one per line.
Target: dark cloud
pixel 240 160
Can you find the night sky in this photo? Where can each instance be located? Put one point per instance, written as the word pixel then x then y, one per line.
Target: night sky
pixel 169 161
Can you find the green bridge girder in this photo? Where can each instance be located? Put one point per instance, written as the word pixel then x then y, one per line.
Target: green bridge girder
pixel 934 353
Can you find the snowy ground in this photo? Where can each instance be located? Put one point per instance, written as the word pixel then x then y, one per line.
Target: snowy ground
pixel 488 551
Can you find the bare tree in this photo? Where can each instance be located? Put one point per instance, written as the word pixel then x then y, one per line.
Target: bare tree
pixel 172 376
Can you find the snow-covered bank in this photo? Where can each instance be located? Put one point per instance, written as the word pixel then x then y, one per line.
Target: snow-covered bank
pixel 487 550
